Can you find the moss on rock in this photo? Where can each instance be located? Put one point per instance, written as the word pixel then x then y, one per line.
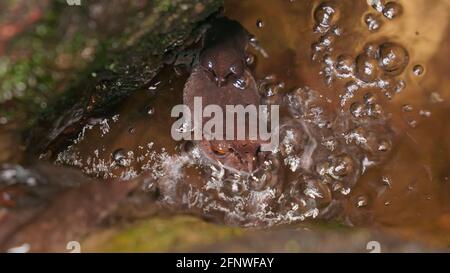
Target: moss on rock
pixel 179 233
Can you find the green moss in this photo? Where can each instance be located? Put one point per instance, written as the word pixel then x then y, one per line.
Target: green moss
pixel 164 5
pixel 125 63
pixel 29 79
pixel 160 235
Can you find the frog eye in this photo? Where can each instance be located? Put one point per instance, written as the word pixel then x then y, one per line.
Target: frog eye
pixel 219 149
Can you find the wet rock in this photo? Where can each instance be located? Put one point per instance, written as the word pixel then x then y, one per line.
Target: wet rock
pixel 132 68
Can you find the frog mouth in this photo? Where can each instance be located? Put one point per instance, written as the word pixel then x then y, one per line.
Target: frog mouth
pixel 242 163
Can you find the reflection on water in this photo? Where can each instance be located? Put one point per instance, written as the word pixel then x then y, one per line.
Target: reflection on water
pixel 364 94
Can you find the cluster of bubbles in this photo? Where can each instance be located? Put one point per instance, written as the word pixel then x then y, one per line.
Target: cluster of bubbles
pixel 377 67
pixel 373 22
pixel 120 163
pixel 349 142
pixel 326 17
pixel 389 11
pixel 321 155
pixel 270 88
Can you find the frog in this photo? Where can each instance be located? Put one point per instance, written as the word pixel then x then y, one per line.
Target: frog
pixel 221 63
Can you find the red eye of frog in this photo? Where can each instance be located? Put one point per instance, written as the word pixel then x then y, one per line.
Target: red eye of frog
pixel 219 148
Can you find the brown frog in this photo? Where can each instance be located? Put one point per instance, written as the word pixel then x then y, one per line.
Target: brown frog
pixel 221 77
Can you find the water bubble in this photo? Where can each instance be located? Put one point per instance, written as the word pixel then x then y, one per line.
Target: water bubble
pixel 259 23
pixel 259 179
pixel 372 50
pixel 392 10
pixel 154 87
pixel 232 187
pixel 315 189
pixel 367 68
pixel 372 22
pixel 240 83
pixel 345 191
pixel 341 166
pixel 386 181
pixel 250 59
pixel 325 15
pixel 369 98
pixel 361 201
pixel 350 88
pixel 292 141
pixel 316 49
pixel 271 163
pixel 327 40
pixel 369 140
pixel 399 86
pixel 269 87
pixel 435 97
pixel 418 70
pixel 425 113
pixel 356 109
pixel 151 110
pixel 336 30
pixel 357 135
pixel 344 64
pixel 119 157
pixel 375 110
pixel 393 58
pixel 412 123
pixel 376 4
pixel 323 168
pixel 407 108
pixel 384 146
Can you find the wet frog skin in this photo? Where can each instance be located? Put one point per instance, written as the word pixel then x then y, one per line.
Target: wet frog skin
pixel 221 77
pixel 224 51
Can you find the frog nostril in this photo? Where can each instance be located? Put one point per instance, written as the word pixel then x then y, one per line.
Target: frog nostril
pixel 220 81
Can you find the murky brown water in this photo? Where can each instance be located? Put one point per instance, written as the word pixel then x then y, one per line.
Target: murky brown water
pixel 364 89
pixel 410 192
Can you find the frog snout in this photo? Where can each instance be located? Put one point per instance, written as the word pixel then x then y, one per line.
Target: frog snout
pixel 250 157
pixel 220 81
